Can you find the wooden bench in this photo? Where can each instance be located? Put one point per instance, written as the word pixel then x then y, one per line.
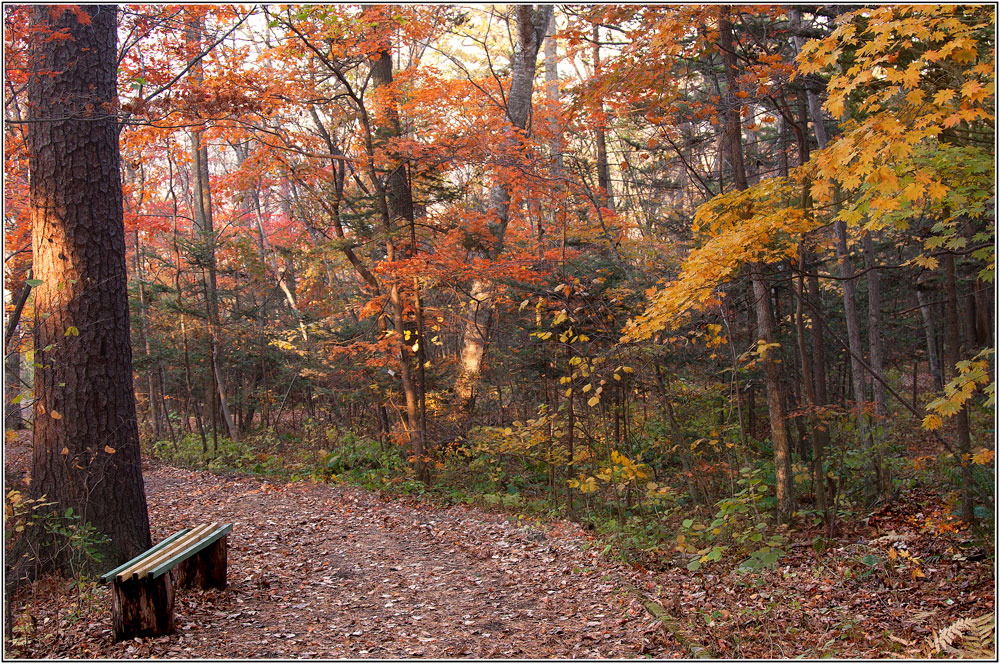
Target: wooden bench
pixel 142 602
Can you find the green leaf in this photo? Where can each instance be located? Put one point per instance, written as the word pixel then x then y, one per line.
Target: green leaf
pixel 34 283
pixel 694 565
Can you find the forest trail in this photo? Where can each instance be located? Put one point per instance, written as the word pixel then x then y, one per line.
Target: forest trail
pixel 325 571
pixel 335 571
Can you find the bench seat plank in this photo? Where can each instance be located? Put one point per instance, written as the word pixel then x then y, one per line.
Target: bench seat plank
pixel 145 554
pixel 139 568
pixel 213 534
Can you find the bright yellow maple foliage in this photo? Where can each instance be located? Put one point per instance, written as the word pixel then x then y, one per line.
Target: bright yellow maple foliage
pixel 922 145
pixel 762 224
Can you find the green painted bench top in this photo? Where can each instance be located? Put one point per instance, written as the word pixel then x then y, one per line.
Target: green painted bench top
pixel 163 557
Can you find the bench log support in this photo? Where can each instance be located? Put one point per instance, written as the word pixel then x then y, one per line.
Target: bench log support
pixel 205 569
pixel 142 607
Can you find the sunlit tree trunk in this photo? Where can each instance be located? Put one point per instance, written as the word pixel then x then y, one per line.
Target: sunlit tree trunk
pixel 85 440
pixel 531 26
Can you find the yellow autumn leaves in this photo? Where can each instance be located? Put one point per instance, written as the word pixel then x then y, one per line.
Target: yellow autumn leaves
pixel 762 224
pixel 920 91
pixel 619 472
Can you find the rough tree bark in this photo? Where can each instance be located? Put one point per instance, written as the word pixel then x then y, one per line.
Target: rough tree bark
pixel 86 440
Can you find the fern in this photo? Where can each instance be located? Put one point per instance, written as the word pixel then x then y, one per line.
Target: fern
pixel 974 637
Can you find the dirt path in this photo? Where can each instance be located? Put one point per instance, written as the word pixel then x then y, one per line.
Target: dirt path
pixel 326 571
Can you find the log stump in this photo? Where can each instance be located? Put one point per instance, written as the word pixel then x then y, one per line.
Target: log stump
pixel 205 569
pixel 142 607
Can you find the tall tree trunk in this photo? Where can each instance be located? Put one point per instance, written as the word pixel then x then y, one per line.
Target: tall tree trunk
pixel 874 462
pixel 152 386
pixel 954 355
pixel 85 452
pixel 188 381
pixel 605 195
pixel 762 298
pixel 206 243
pixel 984 309
pixel 929 335
pixel 555 142
pixel 396 202
pixel 819 436
pixel 532 24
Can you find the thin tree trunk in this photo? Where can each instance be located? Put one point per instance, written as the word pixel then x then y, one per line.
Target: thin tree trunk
pixel 930 337
pixel 188 382
pixel 874 322
pixel 207 242
pixel 396 206
pixel 605 194
pixel 954 355
pixel 819 436
pixel 153 389
pixel 874 463
pixel 762 298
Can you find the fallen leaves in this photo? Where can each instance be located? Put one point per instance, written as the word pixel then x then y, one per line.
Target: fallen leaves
pixel 320 571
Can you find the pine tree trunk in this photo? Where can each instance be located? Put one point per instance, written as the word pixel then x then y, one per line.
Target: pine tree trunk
pixel 86 439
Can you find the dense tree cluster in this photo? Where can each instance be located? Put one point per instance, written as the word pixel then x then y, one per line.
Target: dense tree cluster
pixel 611 253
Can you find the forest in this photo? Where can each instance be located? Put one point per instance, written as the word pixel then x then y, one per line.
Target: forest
pixel 692 307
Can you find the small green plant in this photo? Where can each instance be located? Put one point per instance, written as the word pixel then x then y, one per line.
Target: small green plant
pixel 360 460
pixel 52 538
pixel 739 525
